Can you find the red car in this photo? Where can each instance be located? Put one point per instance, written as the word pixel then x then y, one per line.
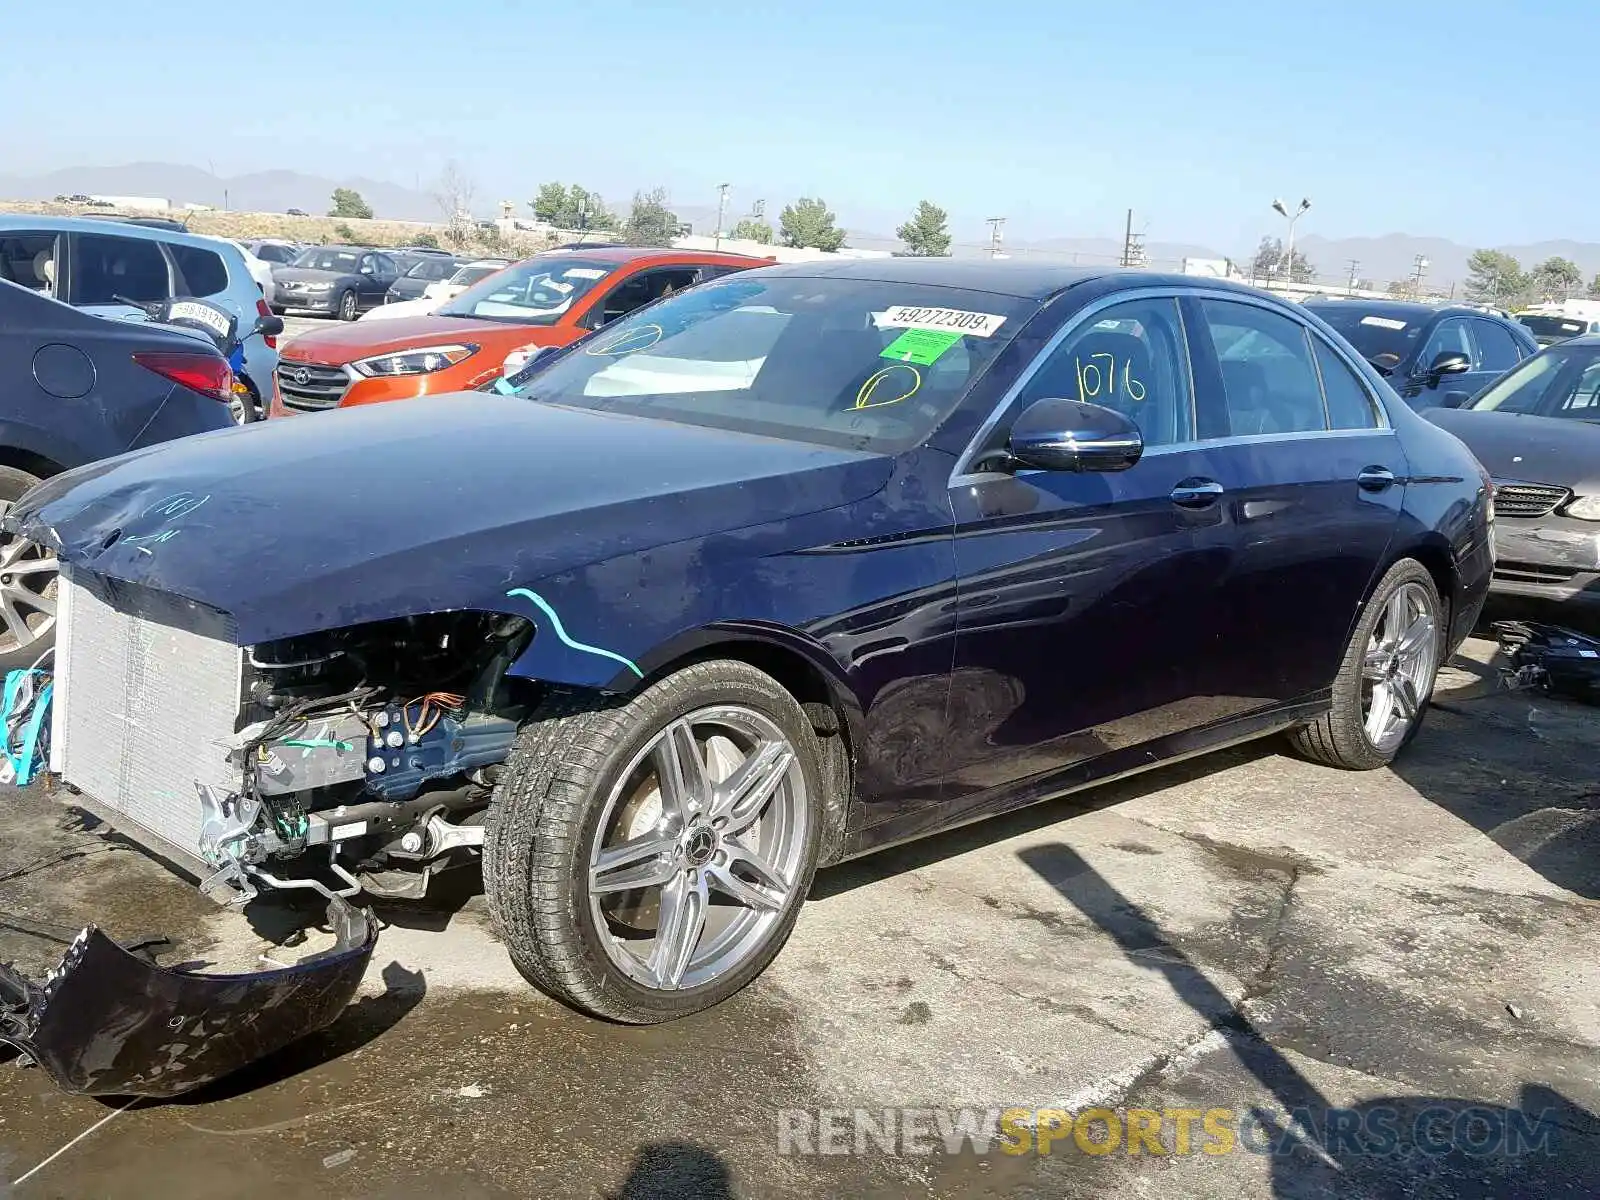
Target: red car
pixel 548 300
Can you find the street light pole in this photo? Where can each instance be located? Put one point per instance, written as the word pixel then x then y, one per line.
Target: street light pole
pixel 722 208
pixel 1282 209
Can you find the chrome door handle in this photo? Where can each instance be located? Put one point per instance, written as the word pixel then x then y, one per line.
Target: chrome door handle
pixel 1197 493
pixel 1375 479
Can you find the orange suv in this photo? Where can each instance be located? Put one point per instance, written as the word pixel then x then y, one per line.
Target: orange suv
pixel 548 300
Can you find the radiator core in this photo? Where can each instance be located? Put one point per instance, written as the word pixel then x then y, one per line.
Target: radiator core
pixel 148 692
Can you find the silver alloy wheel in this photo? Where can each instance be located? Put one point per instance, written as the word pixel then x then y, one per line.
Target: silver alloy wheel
pixel 698 848
pixel 347 306
pixel 1397 672
pixel 28 574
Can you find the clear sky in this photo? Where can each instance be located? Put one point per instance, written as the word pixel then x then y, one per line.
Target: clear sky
pixel 1472 120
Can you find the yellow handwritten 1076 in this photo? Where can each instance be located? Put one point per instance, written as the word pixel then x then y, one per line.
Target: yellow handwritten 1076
pixel 1095 380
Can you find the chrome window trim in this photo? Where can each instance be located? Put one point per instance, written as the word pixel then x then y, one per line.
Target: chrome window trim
pixel 962 475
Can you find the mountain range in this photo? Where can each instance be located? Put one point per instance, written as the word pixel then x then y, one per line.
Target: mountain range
pixel 1389 257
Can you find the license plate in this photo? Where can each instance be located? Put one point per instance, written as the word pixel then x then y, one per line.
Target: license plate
pixel 204 314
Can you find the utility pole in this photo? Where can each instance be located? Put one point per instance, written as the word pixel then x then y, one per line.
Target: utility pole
pixel 1354 266
pixel 722 208
pixel 1419 268
pixel 996 225
pixel 1132 245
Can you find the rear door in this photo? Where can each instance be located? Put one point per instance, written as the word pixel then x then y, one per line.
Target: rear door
pixel 1311 480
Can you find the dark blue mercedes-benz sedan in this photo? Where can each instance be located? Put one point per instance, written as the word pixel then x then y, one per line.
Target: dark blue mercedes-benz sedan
pixel 782 569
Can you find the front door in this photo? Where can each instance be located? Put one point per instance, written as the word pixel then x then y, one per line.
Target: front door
pixel 1084 598
pixel 1311 481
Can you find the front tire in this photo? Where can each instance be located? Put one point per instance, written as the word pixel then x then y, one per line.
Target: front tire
pixel 29 577
pixel 347 307
pixel 1386 679
pixel 646 861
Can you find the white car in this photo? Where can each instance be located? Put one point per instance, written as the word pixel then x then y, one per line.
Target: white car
pixel 260 270
pixel 469 274
pixel 439 291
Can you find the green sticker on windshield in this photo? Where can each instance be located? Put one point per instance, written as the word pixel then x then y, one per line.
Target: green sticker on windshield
pixel 921 346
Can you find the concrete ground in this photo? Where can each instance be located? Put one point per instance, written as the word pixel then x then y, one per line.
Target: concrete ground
pixel 1244 931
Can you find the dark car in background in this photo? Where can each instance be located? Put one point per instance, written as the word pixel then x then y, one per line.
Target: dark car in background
pixel 433 268
pixel 1434 356
pixel 75 388
pixel 1537 430
pixel 783 568
pixel 341 281
pixel 1550 328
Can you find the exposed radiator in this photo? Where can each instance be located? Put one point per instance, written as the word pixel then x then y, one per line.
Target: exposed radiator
pixel 148 691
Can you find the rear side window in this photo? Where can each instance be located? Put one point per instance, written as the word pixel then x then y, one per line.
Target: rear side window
pixel 204 273
pixel 1349 406
pixel 29 259
pixel 1269 380
pixel 1496 347
pixel 112 270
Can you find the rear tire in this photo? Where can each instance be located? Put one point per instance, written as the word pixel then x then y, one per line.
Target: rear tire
pixel 1381 692
pixel 28 585
pixel 586 783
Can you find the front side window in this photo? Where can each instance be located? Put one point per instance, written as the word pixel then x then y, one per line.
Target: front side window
pixel 539 291
pixel 1269 381
pixel 1449 337
pixel 1560 382
pixel 842 362
pixel 1129 358
pixel 115 270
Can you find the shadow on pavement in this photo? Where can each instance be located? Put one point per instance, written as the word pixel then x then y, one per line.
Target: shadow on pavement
pixel 1391 1147
pixel 676 1171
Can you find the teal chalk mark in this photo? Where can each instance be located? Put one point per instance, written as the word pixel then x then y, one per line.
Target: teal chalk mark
pixel 555 624
pixel 166 535
pixel 317 743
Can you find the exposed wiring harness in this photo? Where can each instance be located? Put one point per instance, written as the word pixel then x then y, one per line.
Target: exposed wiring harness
pixel 431 707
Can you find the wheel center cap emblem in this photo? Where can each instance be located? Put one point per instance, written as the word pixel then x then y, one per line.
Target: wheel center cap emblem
pixel 699 846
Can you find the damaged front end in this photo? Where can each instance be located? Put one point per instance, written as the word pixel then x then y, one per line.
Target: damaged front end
pixel 109 1022
pixel 352 760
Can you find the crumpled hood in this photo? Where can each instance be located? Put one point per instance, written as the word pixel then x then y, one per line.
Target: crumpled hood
pixel 440 503
pixel 1557 450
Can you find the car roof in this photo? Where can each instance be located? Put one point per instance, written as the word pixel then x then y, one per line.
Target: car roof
pixel 1415 309
pixel 618 255
pixel 22 222
pixel 1022 280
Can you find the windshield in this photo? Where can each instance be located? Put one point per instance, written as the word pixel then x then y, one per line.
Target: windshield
pixel 844 362
pixel 1560 382
pixel 1548 329
pixel 342 261
pixel 535 292
pixel 1383 339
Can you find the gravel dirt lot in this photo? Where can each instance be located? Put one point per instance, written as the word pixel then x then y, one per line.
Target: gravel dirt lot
pixel 1243 930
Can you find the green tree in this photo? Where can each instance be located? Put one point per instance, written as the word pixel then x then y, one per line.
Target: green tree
pixel 347 202
pixel 571 207
pixel 927 233
pixel 1555 278
pixel 752 229
pixel 650 222
pixel 1594 287
pixel 425 239
pixel 1494 277
pixel 808 222
pixel 1268 263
